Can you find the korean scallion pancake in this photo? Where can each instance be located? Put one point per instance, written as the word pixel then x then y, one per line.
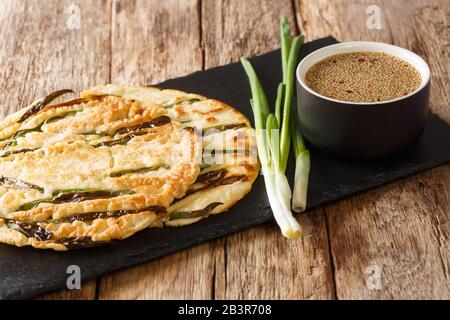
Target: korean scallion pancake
pixel 116 160
pixel 90 170
pixel 229 163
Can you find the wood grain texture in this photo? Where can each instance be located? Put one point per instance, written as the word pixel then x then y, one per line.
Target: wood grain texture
pixel 431 39
pixel 39 53
pixel 184 275
pixel 153 41
pixel 87 292
pixel 260 263
pixel 231 28
pixel 392 243
pixel 398 233
pixel 346 20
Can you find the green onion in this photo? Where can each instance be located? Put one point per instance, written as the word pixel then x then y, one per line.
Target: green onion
pixel 279 102
pixel 42 103
pixel 286 42
pixel 289 52
pixel 269 155
pixel 273 136
pixel 260 111
pixel 302 166
pixel 289 83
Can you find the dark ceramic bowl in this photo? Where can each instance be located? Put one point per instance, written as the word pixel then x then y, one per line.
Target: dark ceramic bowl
pixel 361 130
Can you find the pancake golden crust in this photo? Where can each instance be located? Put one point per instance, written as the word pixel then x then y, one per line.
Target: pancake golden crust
pixel 90 171
pixel 225 129
pixel 116 160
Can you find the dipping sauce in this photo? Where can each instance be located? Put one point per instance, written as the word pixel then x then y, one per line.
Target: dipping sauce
pixel 363 77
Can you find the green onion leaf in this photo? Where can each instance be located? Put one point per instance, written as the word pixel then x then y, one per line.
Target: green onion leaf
pixel 286 42
pixel 279 102
pixel 285 139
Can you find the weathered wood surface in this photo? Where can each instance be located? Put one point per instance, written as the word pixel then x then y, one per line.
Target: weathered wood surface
pixel 397 234
pixel 392 242
pixel 39 53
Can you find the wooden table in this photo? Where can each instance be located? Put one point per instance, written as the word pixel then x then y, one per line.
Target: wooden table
pixel 391 242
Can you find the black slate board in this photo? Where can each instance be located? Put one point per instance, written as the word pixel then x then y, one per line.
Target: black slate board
pixel 25 272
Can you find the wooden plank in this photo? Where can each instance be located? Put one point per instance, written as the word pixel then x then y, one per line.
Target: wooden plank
pixel 430 37
pixel 186 274
pixel 39 53
pixel 42 50
pixel 234 28
pixel 153 41
pixel 87 292
pixel 346 20
pixel 260 263
pixel 393 242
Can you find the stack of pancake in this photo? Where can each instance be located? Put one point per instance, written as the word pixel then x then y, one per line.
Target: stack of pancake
pixel 117 160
